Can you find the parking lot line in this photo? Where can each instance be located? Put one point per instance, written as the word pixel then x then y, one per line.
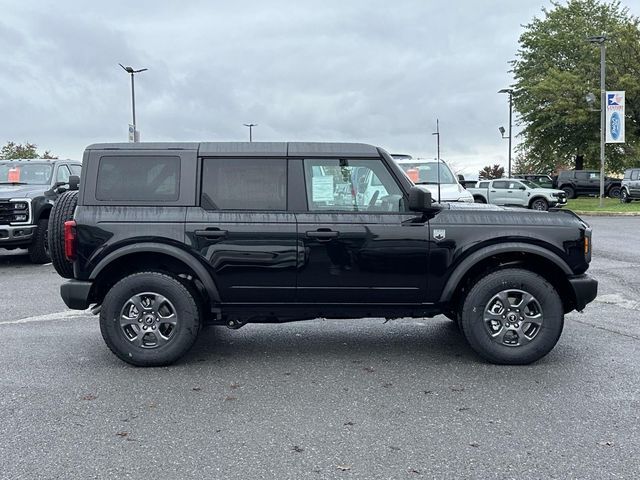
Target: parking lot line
pixel 64 315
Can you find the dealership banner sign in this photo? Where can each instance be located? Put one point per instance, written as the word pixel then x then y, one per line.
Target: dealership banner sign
pixel 615 117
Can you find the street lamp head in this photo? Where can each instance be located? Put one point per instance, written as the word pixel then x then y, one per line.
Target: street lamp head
pixel 590 98
pixel 502 130
pixel 600 39
pixel 131 70
pixel 506 90
pixel 250 125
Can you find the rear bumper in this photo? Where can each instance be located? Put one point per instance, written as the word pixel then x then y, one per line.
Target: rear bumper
pixel 75 294
pixel 585 289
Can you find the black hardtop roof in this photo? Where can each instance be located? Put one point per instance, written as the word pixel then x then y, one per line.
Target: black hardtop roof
pixel 40 160
pixel 248 149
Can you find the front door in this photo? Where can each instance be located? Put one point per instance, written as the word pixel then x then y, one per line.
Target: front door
pixel 358 242
pixel 243 230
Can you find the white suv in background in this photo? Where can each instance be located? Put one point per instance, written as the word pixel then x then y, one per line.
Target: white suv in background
pixel 425 172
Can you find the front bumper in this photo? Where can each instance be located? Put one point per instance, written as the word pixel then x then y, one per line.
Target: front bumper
pixel 16 234
pixel 75 294
pixel 585 289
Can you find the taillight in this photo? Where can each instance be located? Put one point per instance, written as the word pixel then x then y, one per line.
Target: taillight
pixel 70 240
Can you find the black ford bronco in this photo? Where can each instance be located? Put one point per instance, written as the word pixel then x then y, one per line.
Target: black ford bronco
pixel 166 237
pixel 28 190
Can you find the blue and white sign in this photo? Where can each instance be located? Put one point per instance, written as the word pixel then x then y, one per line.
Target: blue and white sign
pixel 615 117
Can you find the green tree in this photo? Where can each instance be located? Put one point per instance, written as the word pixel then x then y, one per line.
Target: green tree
pixel 555 68
pixel 12 150
pixel 490 172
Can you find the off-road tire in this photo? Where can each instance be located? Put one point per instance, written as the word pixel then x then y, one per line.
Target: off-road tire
pixel 61 212
pixel 569 192
pixel 614 192
pixel 186 310
pixel 624 196
pixel 473 315
pixel 539 204
pixel 38 249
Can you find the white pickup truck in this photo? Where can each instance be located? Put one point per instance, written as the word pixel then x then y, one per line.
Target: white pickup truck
pixel 522 193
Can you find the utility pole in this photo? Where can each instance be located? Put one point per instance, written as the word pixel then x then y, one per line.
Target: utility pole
pixel 437 134
pixel 600 40
pixel 132 72
pixel 250 125
pixel 510 92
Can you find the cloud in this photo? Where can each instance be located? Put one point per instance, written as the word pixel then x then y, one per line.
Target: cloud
pixel 373 71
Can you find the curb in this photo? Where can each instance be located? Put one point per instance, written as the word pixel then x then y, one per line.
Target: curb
pixel 606 214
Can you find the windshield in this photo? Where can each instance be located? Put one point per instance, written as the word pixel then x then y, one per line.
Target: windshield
pixel 427 172
pixel 25 173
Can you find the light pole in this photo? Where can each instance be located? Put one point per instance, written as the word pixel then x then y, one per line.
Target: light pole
pixel 132 72
pixel 437 134
pixel 250 125
pixel 600 40
pixel 510 92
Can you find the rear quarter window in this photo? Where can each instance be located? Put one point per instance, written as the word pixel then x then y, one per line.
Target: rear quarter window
pixel 139 178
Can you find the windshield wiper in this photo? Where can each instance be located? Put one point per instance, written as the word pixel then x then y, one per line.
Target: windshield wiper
pixel 13 183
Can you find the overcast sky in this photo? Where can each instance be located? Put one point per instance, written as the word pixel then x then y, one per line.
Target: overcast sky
pixel 379 72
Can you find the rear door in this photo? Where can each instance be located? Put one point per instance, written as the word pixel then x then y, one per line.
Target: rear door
pixel 243 230
pixel 358 243
pixel 498 192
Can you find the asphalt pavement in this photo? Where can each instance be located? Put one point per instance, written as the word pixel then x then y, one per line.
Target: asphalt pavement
pixel 323 399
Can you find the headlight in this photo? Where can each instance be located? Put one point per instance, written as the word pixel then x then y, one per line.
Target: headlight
pixel 20 218
pixel 20 206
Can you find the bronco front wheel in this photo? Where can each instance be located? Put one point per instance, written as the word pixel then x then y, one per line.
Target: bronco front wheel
pixel 512 317
pixel 149 319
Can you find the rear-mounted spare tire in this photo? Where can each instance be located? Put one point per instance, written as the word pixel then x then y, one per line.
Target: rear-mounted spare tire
pixel 62 211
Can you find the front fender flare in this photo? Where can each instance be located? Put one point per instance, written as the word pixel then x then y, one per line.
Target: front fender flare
pixel 510 247
pixel 175 252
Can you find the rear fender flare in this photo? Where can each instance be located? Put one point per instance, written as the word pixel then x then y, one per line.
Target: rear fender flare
pixel 178 254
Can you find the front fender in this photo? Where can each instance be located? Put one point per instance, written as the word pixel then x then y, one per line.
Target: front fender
pixel 511 247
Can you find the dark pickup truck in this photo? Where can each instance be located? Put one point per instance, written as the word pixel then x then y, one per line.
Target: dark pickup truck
pixel 28 190
pixel 167 237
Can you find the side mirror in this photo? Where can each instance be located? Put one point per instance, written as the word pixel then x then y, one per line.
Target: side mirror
pixel 74 182
pixel 419 200
pixel 460 178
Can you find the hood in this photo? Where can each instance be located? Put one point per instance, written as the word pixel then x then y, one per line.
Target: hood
pixel 548 191
pixel 449 192
pixel 8 191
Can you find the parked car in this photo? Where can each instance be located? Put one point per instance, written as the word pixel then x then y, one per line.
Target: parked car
pixel 516 192
pixel 630 189
pixel 28 190
pixel 425 172
pixel 544 181
pixel 575 183
pixel 164 237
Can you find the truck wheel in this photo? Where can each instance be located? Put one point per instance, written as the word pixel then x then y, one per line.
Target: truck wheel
pixel 569 192
pixel 624 197
pixel 614 192
pixel 149 319
pixel 479 200
pixel 39 248
pixel 512 317
pixel 540 204
pixel 62 211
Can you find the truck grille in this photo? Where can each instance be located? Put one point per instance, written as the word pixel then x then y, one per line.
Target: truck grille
pixel 8 213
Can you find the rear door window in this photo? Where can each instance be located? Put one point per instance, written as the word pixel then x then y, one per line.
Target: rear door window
pixel 138 178
pixel 634 174
pixel 244 184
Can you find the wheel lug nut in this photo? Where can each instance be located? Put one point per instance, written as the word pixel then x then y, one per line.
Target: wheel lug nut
pixel 139 320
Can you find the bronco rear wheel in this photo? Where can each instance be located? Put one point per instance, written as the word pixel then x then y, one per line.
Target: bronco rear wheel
pixel 149 319
pixel 512 317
